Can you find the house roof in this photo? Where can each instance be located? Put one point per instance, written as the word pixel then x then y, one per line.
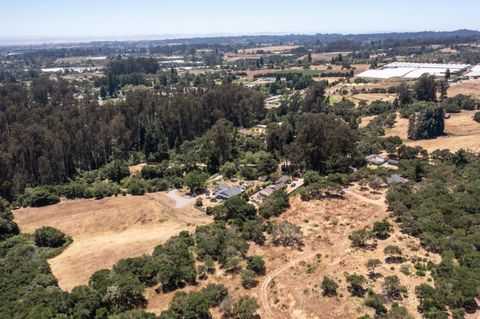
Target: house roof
pixel 220 188
pixel 228 192
pixel 376 159
pixel 396 179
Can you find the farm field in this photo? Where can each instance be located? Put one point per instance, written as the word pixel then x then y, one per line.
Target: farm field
pixel 107 230
pixel 461 132
pixel 471 87
pixel 272 48
pixel 291 287
pixel 371 97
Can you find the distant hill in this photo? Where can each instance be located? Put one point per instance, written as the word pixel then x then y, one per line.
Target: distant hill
pixel 458 36
pixel 468 35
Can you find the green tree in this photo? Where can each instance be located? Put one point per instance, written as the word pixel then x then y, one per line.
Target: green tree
pixel 256 264
pixel 372 264
pixel 228 170
pixel 426 88
pixel 196 181
pixel 359 237
pixel 49 237
pixel 215 294
pixel 287 234
pixel 248 280
pixel 245 308
pixel 393 289
pixel 382 229
pixel 329 287
pixel 356 285
pixel 192 305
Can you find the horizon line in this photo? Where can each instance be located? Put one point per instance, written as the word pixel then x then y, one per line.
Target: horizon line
pixel 46 40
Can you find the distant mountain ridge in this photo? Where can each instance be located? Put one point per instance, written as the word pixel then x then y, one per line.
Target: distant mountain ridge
pixel 323 38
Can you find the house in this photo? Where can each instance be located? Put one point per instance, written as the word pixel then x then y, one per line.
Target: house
pixel 223 191
pixel 280 183
pixel 376 159
pixel 284 179
pixel 396 179
pixel 393 162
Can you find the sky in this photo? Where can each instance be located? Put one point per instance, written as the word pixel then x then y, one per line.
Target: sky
pixel 136 18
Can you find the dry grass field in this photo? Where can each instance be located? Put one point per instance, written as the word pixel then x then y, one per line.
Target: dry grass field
pixel 371 97
pixel 470 87
pixel 461 132
pixel 291 288
pixel 107 230
pixel 269 49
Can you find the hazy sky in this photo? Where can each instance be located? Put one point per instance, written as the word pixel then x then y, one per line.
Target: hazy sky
pixel 103 18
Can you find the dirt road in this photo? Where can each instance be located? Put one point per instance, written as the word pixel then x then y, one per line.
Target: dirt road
pixel 269 313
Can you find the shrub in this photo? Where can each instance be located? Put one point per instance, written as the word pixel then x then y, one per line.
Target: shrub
pixel 287 234
pixel 256 264
pixel 393 289
pixel 248 279
pixel 215 293
pixel 476 117
pixel 355 284
pixel 136 186
pixel 375 301
pixel 311 177
pixel 359 237
pixel 245 308
pixel 228 170
pixel 382 229
pixel 190 305
pixel 274 204
pixel 322 189
pixel 49 237
pixel 39 197
pixel 195 181
pixel 329 287
pixel 8 227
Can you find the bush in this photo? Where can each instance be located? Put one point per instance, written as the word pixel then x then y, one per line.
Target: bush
pixel 375 301
pixel 49 237
pixel 245 308
pixel 248 279
pixel 287 235
pixel 355 285
pixel 195 181
pixel 8 227
pixel 116 170
pixel 320 190
pixel 275 204
pixel 329 287
pixel 157 185
pixel 136 187
pixel 393 289
pixel 476 117
pixel 359 237
pixel 311 177
pixel 39 197
pixel 228 170
pixel 382 229
pixel 215 294
pixel 256 264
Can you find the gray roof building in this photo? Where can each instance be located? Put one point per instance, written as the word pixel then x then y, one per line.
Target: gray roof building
pixel 396 179
pixel 224 191
pixel 376 159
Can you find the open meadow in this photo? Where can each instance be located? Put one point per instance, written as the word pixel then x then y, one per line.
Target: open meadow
pixel 461 132
pixel 107 230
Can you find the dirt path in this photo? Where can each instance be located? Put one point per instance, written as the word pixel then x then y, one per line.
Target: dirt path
pixel 179 200
pixel 264 300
